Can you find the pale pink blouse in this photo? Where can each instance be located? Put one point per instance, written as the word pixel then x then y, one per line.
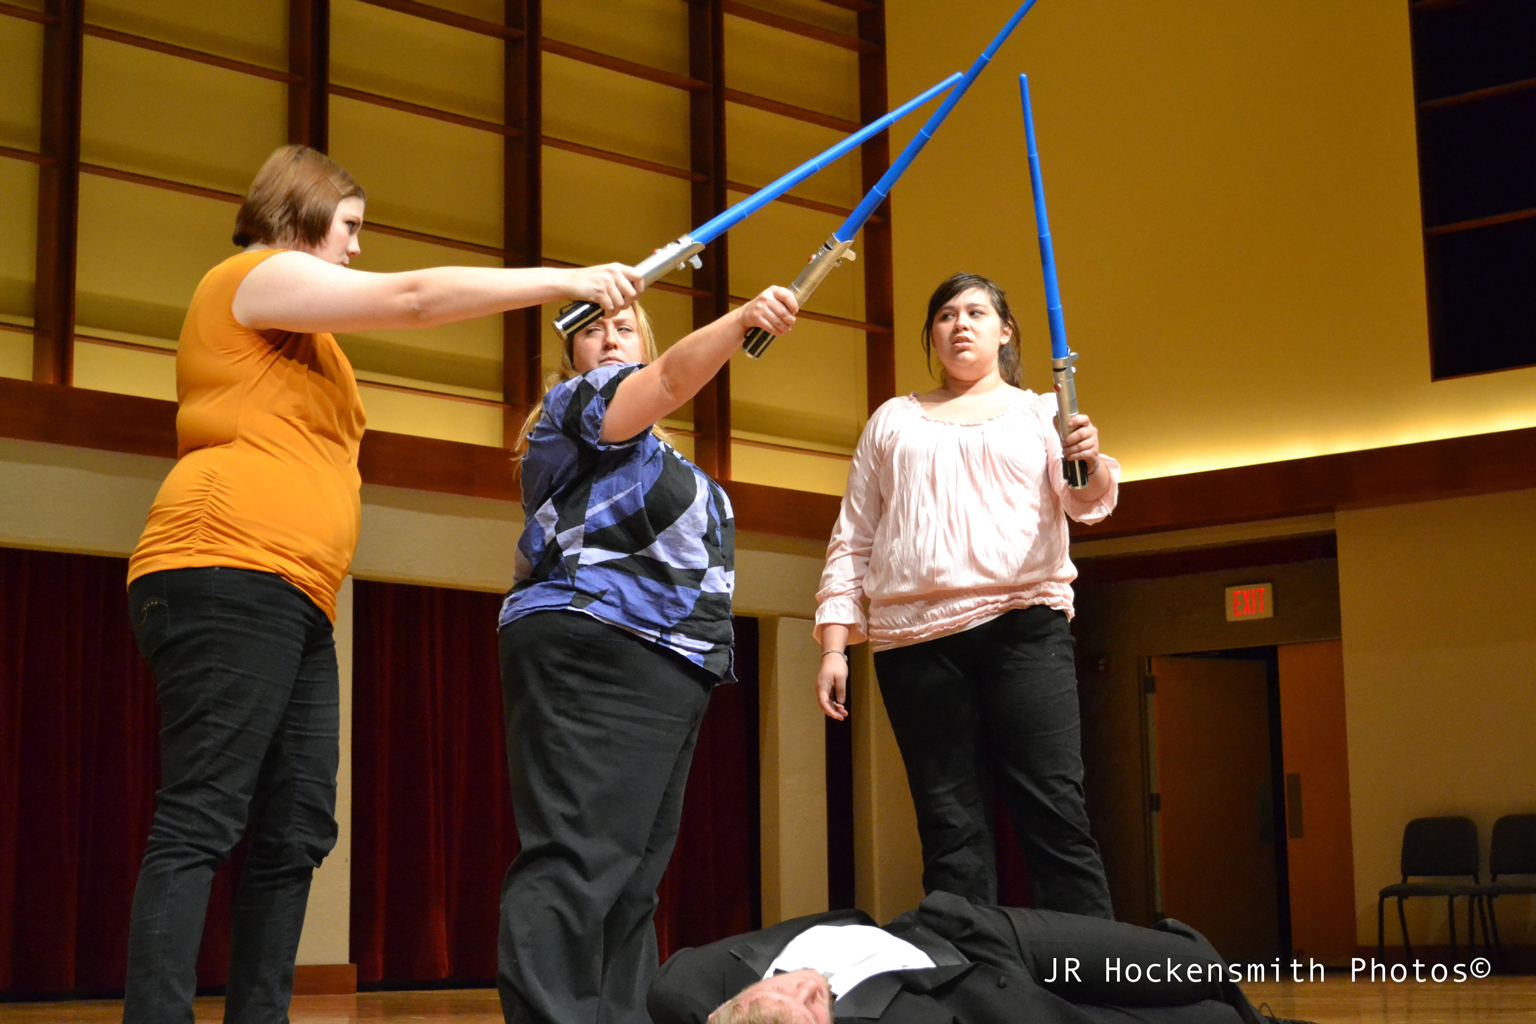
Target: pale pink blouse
pixel 945 525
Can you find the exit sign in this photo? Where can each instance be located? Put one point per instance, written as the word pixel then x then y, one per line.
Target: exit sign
pixel 1251 601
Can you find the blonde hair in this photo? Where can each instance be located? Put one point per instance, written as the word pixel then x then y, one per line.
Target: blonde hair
pixel 758 1011
pixel 567 371
pixel 293 198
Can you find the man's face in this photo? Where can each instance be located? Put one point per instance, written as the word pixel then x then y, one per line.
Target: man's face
pixel 798 997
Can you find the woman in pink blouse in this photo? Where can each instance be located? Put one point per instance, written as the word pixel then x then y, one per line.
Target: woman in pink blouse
pixel 954 530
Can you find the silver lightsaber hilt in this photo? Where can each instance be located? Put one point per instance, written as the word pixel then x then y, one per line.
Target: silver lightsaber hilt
pixel 831 254
pixel 673 256
pixel 1064 376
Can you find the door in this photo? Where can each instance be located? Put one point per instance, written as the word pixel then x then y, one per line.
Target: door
pixel 1215 806
pixel 1319 846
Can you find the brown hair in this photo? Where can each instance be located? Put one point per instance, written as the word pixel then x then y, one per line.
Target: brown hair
pixel 567 370
pixel 1009 366
pixel 293 198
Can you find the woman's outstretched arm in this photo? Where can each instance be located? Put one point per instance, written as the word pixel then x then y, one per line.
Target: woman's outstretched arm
pixel 661 388
pixel 294 291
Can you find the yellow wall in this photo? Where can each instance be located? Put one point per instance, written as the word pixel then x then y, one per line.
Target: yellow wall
pixel 1440 683
pixel 1233 193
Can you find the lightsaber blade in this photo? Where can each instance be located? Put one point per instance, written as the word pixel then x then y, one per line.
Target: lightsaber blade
pixel 838 248
pixel 1063 359
pixel 675 254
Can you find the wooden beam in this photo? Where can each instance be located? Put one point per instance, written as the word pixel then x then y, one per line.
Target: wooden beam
pixel 1475 95
pixel 187 53
pixel 103 420
pixel 427 12
pixel 422 110
pixel 879 281
pixel 166 184
pixel 1152 565
pixel 706 124
pixel 763 509
pixel 26 155
pixel 620 158
pixel 56 414
pixel 1480 222
pixel 622 66
pixel 522 364
pixel 747 99
pixel 809 204
pixel 446 467
pixel 826 318
pixel 799 28
pixel 27 14
pixel 659 286
pixel 1426 471
pixel 58 194
pixel 309 34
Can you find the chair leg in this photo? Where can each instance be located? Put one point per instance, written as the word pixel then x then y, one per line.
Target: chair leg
pixel 1402 920
pixel 1450 917
pixel 1381 928
pixel 1493 922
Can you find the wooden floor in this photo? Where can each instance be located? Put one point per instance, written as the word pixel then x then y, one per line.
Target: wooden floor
pixel 1335 1001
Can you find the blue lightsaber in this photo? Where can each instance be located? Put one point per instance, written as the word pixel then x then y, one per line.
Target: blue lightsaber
pixel 1063 370
pixel 674 255
pixel 838 248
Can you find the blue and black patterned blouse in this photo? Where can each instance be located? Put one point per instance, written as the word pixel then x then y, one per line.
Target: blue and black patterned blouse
pixel 632 533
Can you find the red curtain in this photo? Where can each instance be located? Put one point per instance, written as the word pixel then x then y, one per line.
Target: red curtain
pixel 432 822
pixel 1013 888
pixel 432 828
pixel 79 765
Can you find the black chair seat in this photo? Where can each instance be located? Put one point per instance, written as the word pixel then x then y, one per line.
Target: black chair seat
pixel 1405 889
pixel 1507 889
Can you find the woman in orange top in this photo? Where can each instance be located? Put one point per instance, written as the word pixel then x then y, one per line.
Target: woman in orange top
pixel 232 587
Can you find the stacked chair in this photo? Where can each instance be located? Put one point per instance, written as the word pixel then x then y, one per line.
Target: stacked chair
pixel 1513 853
pixel 1444 850
pixel 1439 858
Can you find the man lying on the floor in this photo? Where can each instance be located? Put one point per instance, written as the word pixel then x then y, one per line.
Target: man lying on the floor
pixel 950 960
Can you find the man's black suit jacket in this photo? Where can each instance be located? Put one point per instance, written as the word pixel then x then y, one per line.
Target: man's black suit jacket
pixel 696 981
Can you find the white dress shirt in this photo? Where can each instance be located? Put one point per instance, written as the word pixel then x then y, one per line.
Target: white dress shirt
pixel 847 954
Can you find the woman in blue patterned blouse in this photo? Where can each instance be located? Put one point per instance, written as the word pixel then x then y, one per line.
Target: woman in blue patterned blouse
pixel 616 629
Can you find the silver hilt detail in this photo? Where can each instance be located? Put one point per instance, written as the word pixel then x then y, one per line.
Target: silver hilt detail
pixel 673 256
pixel 831 255
pixel 1064 377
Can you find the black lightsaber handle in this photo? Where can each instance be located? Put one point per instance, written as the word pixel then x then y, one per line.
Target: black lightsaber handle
pixel 672 256
pixel 1064 376
pixel 576 316
pixel 757 342
pixel 822 262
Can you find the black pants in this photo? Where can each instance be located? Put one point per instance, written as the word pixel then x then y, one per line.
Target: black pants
pixel 245 673
pixel 997 701
pixel 1113 971
pixel 600 733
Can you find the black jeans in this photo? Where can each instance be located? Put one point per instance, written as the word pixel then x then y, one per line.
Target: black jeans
pixel 997 701
pixel 246 677
pixel 601 727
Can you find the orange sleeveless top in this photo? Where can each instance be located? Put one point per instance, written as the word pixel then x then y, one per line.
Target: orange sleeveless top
pixel 267 431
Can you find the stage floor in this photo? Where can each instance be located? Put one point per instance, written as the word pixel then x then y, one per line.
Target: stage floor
pixel 1335 1001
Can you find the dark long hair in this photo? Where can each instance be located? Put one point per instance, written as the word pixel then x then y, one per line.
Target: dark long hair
pixel 1009 366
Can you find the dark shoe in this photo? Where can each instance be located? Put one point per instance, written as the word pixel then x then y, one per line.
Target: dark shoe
pixel 1268 1016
